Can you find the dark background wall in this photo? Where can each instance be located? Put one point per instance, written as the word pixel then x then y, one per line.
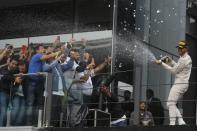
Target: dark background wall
pixel 54 18
pixel 189 105
pixel 124 29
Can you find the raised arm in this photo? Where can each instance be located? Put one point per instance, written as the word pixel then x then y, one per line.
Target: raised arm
pixel 176 68
pixel 48 67
pixel 68 65
pixel 49 56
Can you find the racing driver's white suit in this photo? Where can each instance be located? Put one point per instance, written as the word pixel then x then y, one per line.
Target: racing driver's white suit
pixel 182 71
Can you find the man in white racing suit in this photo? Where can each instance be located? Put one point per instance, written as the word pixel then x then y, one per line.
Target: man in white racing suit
pixel 182 71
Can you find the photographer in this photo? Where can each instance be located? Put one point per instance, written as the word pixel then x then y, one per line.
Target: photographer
pixel 6 82
pixel 108 102
pixel 19 97
pixel 113 106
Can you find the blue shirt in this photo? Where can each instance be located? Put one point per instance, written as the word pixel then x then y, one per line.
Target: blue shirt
pixel 35 65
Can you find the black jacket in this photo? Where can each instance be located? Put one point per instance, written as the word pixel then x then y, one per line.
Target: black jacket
pixel 7 79
pixel 114 107
pixel 157 110
pixel 24 83
pixel 112 103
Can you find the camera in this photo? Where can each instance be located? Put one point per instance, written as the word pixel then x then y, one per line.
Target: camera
pixel 8 46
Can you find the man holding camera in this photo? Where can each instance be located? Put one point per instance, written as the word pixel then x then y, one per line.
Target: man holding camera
pixel 19 95
pixel 6 84
pixel 182 71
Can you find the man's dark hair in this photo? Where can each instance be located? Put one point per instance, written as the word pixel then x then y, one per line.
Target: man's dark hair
pixel 150 91
pixel 22 62
pixel 38 46
pixel 16 58
pixel 74 50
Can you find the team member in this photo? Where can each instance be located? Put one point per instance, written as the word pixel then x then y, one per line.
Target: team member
pixel 182 71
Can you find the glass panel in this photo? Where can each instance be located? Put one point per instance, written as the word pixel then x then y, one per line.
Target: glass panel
pixel 97 56
pixel 93 37
pixel 55 82
pixel 151 37
pixel 90 16
pixel 37 19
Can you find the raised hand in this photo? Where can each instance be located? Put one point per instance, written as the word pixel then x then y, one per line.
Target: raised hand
pixel 158 62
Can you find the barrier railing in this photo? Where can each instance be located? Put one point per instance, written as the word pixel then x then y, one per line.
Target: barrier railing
pixel 44 117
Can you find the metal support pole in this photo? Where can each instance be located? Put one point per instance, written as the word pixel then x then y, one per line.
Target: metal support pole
pixel 40 118
pixel 114 40
pixel 61 119
pixel 8 120
pixel 196 112
pixel 137 94
pixel 48 100
pixel 114 31
pixel 95 117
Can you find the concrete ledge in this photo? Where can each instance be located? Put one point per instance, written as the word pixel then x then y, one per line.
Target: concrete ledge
pixel 19 128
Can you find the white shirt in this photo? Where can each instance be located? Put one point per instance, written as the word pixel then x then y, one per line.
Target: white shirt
pixel 181 69
pixel 71 76
pixel 86 87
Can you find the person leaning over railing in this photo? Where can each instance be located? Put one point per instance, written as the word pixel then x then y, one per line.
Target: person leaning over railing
pixel 6 82
pixel 36 82
pixel 97 77
pixel 57 69
pixel 19 96
pixel 75 97
pixel 90 72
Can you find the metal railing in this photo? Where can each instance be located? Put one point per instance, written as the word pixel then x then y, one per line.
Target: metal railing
pixel 44 118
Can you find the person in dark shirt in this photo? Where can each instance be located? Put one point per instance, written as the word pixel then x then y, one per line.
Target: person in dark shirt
pixel 155 107
pixel 19 96
pixel 127 105
pixel 6 83
pixel 114 107
pixel 107 101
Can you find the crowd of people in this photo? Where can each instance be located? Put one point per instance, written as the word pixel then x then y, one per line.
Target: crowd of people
pixel 22 84
pixel 75 86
